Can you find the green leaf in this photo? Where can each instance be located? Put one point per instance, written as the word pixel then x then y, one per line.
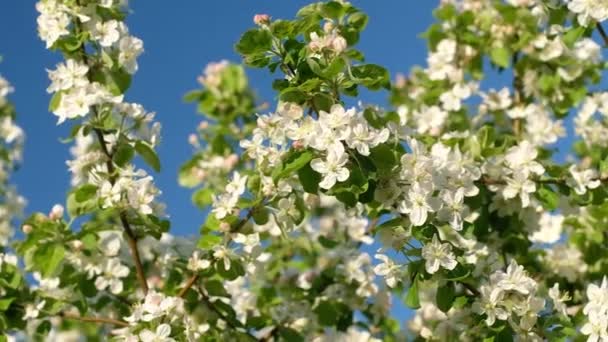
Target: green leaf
pixel 332 9
pixel 445 296
pixel 358 20
pixel 50 258
pixel 207 241
pixel 548 197
pixel 294 162
pixel 383 157
pixel 55 101
pixel 371 76
pixel 289 334
pixel 412 299
pixel 254 41
pixel 117 81
pixel 123 155
pixel 322 102
pixel 501 56
pixel 85 193
pixel 573 34
pixel 260 215
pixel 148 154
pixel 202 197
pixel 309 178
pixel 5 303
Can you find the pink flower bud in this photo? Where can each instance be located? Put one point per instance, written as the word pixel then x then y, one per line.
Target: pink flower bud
pixel 56 212
pixel 193 140
pixel 230 161
pixel 261 19
pixel 203 125
pixel 200 174
pixel 224 227
pixel 26 228
pixel 298 144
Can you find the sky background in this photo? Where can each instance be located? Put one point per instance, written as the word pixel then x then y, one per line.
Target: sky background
pixel 180 38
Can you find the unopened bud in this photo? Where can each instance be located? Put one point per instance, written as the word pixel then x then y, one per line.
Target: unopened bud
pixel 203 125
pixel 224 227
pixel 261 19
pixel 193 140
pixel 230 161
pixel 298 144
pixel 56 212
pixel 77 244
pixel 26 228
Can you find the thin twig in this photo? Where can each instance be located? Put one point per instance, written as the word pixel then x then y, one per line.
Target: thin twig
pixel 101 320
pixel 131 237
pixel 600 28
pixel 188 285
pixel 470 288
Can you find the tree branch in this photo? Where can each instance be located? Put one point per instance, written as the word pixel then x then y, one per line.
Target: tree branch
pixel 101 320
pixel 188 285
pixel 603 33
pixel 131 237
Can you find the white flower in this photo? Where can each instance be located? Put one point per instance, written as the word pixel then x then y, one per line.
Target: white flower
pixel 52 22
pixel 515 279
pixel 113 272
pixel 549 228
pixel 558 301
pixel 68 75
pixel 141 195
pixel 437 255
pixel 589 10
pixel 223 253
pixel 33 310
pixel 519 184
pixel 106 33
pixel 581 180
pixel 162 334
pixel 453 209
pixel 197 263
pixel 130 48
pixel 521 158
pixel 387 269
pixel 332 168
pixel 110 244
pixel 418 203
pixel 489 304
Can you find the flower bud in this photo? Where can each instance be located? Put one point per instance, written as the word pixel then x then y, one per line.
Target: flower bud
pixel 77 244
pixel 261 19
pixel 26 228
pixel 56 212
pixel 193 140
pixel 224 227
pixel 231 161
pixel 203 125
pixel 298 144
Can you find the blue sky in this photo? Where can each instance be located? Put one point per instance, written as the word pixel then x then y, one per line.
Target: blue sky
pixel 180 38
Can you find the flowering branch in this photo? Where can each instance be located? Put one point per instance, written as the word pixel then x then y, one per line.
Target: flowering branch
pixel 102 320
pixel 131 237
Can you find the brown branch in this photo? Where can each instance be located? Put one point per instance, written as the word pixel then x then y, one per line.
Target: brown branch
pixel 603 33
pixel 131 237
pixel 188 285
pixel 243 221
pixel 101 320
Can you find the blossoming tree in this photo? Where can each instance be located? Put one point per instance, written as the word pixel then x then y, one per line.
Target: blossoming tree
pixel 320 214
